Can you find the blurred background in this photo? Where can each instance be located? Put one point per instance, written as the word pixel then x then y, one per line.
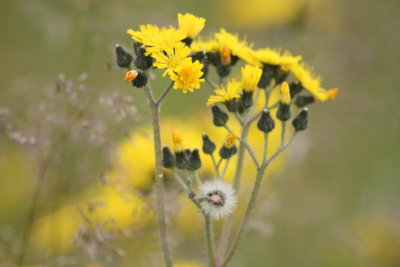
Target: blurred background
pixel 65 113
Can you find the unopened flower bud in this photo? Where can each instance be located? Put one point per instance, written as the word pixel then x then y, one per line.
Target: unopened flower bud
pixel 300 123
pixel 223 70
pixel 168 158
pixel 266 76
pixel 280 75
pixel 266 124
pixel 194 160
pixel 208 145
pixel 177 140
pixel 302 101
pixel 131 75
pixel 228 149
pixel 219 117
pixel 140 80
pixel 142 61
pixel 124 59
pixel 283 112
pixel 187 41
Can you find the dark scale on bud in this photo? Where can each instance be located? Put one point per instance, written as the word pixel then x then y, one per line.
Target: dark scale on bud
pixel 202 58
pixel 142 61
pixel 180 160
pixel 295 88
pixel 223 71
pixel 232 105
pixel 226 152
pixel 234 60
pixel 219 117
pixel 140 80
pixel 300 123
pixel 194 160
pixel 246 100
pixel 208 145
pixel 302 101
pixel 187 41
pixel 214 58
pixel 266 124
pixel 124 59
pixel 283 112
pixel 168 158
pixel 267 75
pixel 280 75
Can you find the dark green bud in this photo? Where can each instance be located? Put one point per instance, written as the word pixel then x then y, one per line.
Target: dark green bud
pixel 295 88
pixel 124 59
pixel 168 158
pixel 187 41
pixel 142 61
pixel 223 70
pixel 300 123
pixel 194 160
pixel 214 58
pixel 267 75
pixel 280 75
pixel 266 124
pixel 219 117
pixel 180 160
pixel 246 100
pixel 283 112
pixel 140 80
pixel 226 152
pixel 208 145
pixel 234 60
pixel 302 101
pixel 232 105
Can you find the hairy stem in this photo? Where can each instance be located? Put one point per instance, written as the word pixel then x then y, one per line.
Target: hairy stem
pixel 159 177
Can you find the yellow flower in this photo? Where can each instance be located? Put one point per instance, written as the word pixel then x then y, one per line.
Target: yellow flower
pixel 177 140
pixel 170 61
pixel 226 93
pixel 237 47
pixel 285 94
pixel 230 141
pixel 191 24
pixel 158 39
pixel 274 57
pixel 187 76
pixel 250 77
pixel 310 81
pixel 204 45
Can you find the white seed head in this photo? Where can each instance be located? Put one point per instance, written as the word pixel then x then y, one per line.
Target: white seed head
pixel 218 198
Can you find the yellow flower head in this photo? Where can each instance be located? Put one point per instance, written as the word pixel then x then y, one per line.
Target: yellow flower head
pixel 250 77
pixel 131 75
pixel 191 24
pixel 226 93
pixel 310 81
pixel 230 141
pixel 204 45
pixel 237 47
pixel 158 39
pixel 331 94
pixel 187 75
pixel 274 57
pixel 177 140
pixel 170 61
pixel 285 94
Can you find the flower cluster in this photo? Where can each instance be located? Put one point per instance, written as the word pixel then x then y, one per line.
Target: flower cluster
pixel 274 88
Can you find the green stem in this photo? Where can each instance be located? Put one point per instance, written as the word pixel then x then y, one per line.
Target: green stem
pixel 253 197
pixel 159 177
pixel 216 165
pixel 210 239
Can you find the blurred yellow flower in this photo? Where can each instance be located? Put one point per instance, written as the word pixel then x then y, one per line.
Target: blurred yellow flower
pixel 199 44
pixel 226 93
pixel 191 24
pixel 187 75
pixel 250 77
pixel 158 39
pixel 285 94
pixel 275 57
pixel 310 81
pixel 168 61
pixel 239 48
